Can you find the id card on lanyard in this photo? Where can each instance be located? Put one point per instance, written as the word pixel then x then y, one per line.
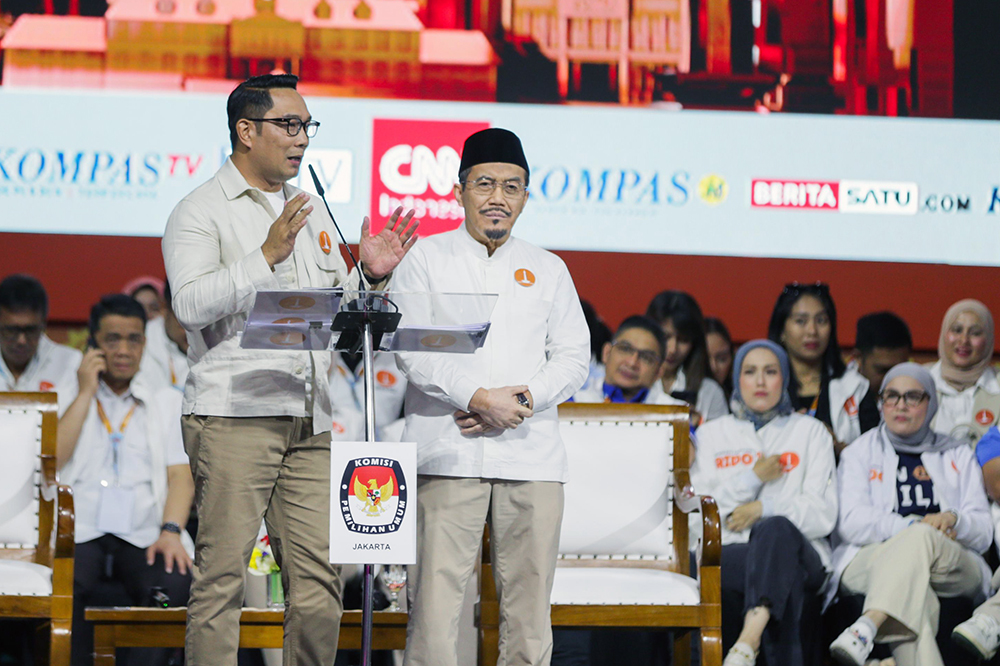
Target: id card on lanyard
pixel 115 504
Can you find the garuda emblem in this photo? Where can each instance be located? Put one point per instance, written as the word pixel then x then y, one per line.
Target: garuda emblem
pixel 373 495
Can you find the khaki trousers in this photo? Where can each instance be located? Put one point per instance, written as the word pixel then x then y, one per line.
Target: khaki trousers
pixel 246 469
pixel 903 577
pixel 524 518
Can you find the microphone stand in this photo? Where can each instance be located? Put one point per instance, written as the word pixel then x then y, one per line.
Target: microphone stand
pixel 368 359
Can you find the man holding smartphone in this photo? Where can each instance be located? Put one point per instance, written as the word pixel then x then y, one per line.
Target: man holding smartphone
pixel 120 448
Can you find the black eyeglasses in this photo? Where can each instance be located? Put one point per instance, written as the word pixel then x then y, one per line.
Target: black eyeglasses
pixel 645 356
pixel 12 333
pixel 910 398
pixel 292 125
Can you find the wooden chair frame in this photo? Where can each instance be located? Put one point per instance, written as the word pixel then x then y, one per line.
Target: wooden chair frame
pixel 56 544
pixel 706 616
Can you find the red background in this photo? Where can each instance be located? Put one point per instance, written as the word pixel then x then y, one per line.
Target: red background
pixel 380 474
pixel 76 270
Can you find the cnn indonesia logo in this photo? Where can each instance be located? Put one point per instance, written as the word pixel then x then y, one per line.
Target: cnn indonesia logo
pixel 421 179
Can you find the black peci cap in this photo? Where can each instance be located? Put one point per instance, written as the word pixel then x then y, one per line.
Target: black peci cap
pixel 492 145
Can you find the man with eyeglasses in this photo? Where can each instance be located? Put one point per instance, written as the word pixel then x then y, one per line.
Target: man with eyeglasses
pixel 29 359
pixel 486 424
pixel 257 424
pixel 119 447
pixel 633 362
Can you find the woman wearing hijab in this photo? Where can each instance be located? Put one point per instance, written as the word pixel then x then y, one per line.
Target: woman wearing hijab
pixel 967 389
pixel 771 471
pixel 914 519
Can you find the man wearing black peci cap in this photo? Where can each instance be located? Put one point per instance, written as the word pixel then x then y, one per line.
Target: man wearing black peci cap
pixel 486 424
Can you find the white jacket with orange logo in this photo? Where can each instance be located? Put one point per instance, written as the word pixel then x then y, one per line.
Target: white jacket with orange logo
pixel 806 493
pixel 846 394
pixel 538 337
pixel 867 484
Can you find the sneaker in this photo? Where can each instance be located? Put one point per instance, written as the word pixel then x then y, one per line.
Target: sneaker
pixel 980 635
pixel 740 655
pixel 851 647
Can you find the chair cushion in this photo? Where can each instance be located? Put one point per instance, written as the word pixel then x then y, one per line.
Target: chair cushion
pixel 607 585
pixel 25 579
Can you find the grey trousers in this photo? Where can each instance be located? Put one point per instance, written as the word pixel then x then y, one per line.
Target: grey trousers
pixel 246 469
pixel 524 518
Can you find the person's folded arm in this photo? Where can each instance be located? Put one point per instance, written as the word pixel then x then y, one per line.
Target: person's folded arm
pixel 861 521
pixel 436 375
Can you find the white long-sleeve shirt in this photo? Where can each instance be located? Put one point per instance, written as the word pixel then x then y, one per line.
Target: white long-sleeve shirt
pixel 538 337
pixel 868 499
pixel 806 492
pixel 151 443
pixel 52 368
pixel 212 253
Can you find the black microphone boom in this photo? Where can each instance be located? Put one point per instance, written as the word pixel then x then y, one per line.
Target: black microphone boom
pixel 322 195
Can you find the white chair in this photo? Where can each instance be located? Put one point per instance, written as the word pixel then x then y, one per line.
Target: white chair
pixel 623 548
pixel 36 542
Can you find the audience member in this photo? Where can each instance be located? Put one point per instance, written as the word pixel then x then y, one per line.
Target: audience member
pixel 120 448
pixel 967 387
pixel 686 373
pixel 164 361
pixel 882 341
pixel 804 322
pixel 720 353
pixel 913 521
pixel 29 360
pixel 771 473
pixel 148 290
pixel 633 362
pixel 599 334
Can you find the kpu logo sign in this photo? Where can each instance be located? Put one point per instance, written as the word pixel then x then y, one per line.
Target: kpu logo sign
pixel 415 165
pixel 373 495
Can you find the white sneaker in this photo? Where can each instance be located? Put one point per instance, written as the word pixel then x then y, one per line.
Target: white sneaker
pixel 980 635
pixel 851 647
pixel 740 655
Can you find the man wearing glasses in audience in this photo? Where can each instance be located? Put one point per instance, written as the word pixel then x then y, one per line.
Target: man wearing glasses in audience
pixel 29 360
pixel 119 447
pixel 257 424
pixel 633 362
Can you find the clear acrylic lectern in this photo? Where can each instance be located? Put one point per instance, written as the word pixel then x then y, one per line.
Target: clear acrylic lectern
pixel 365 321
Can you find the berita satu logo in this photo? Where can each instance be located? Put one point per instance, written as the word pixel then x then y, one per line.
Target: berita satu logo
pixel 373 495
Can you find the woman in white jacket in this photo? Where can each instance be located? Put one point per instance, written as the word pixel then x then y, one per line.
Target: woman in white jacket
pixel 914 519
pixel 771 471
pixel 967 388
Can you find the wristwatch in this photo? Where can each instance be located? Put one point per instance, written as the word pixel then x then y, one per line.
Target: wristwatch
pixel 173 528
pixel 522 399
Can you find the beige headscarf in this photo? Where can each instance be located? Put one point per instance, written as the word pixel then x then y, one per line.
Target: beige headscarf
pixel 963 378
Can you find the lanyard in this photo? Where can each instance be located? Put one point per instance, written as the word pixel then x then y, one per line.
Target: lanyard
pixel 116 437
pixel 814 406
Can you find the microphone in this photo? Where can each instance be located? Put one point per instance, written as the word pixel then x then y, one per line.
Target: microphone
pixel 322 195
